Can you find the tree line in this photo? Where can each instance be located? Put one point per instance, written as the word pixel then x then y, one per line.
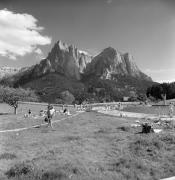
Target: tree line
pixel 158 91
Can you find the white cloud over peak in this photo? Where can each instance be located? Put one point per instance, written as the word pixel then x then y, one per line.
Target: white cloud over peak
pixel 39 54
pixel 20 34
pixel 38 51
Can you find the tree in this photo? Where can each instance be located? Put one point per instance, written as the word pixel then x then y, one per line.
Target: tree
pixel 158 91
pixel 12 96
pixel 67 97
pixel 12 100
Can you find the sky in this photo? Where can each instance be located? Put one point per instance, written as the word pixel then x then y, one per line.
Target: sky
pixel 144 28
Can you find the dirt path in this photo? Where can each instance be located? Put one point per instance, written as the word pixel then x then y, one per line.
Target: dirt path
pixel 38 125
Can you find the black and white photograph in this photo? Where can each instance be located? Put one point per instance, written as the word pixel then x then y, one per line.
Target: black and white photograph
pixel 87 90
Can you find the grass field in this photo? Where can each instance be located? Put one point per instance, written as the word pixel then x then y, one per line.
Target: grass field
pixel 90 146
pixel 9 121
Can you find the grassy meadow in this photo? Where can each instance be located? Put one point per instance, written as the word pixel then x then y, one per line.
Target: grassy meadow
pixel 89 146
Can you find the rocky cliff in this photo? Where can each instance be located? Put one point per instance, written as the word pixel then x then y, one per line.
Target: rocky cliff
pixel 68 68
pixel 63 59
pixel 111 62
pixel 74 64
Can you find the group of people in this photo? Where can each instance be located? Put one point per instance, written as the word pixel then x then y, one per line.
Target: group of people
pixel 49 113
pixel 119 107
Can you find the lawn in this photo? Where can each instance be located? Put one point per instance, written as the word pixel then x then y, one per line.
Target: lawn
pixel 85 147
pixel 9 121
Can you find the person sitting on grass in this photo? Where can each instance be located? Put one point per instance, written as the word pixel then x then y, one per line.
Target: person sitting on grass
pixel 29 112
pixel 66 112
pixel 50 114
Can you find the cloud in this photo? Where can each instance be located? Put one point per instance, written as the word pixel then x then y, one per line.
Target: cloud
pixel 39 54
pixel 38 51
pixel 20 34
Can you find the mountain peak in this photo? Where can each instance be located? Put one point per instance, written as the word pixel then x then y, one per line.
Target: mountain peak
pixel 67 67
pixel 71 62
pixel 61 45
pixel 110 63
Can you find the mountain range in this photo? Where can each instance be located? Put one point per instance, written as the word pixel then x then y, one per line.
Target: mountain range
pixel 68 68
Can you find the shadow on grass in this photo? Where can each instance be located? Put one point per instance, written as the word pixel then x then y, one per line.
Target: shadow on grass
pixel 28 171
pixel 71 138
pixel 18 170
pixel 125 128
pixel 51 175
pixel 5 114
pixel 7 156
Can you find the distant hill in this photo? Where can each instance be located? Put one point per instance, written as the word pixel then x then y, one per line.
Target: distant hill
pixel 68 68
pixel 50 86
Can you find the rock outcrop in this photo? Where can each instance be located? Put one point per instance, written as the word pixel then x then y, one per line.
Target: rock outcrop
pixel 72 63
pixel 63 59
pixel 111 62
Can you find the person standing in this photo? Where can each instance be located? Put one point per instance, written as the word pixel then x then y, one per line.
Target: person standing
pixel 50 114
pixel 171 109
